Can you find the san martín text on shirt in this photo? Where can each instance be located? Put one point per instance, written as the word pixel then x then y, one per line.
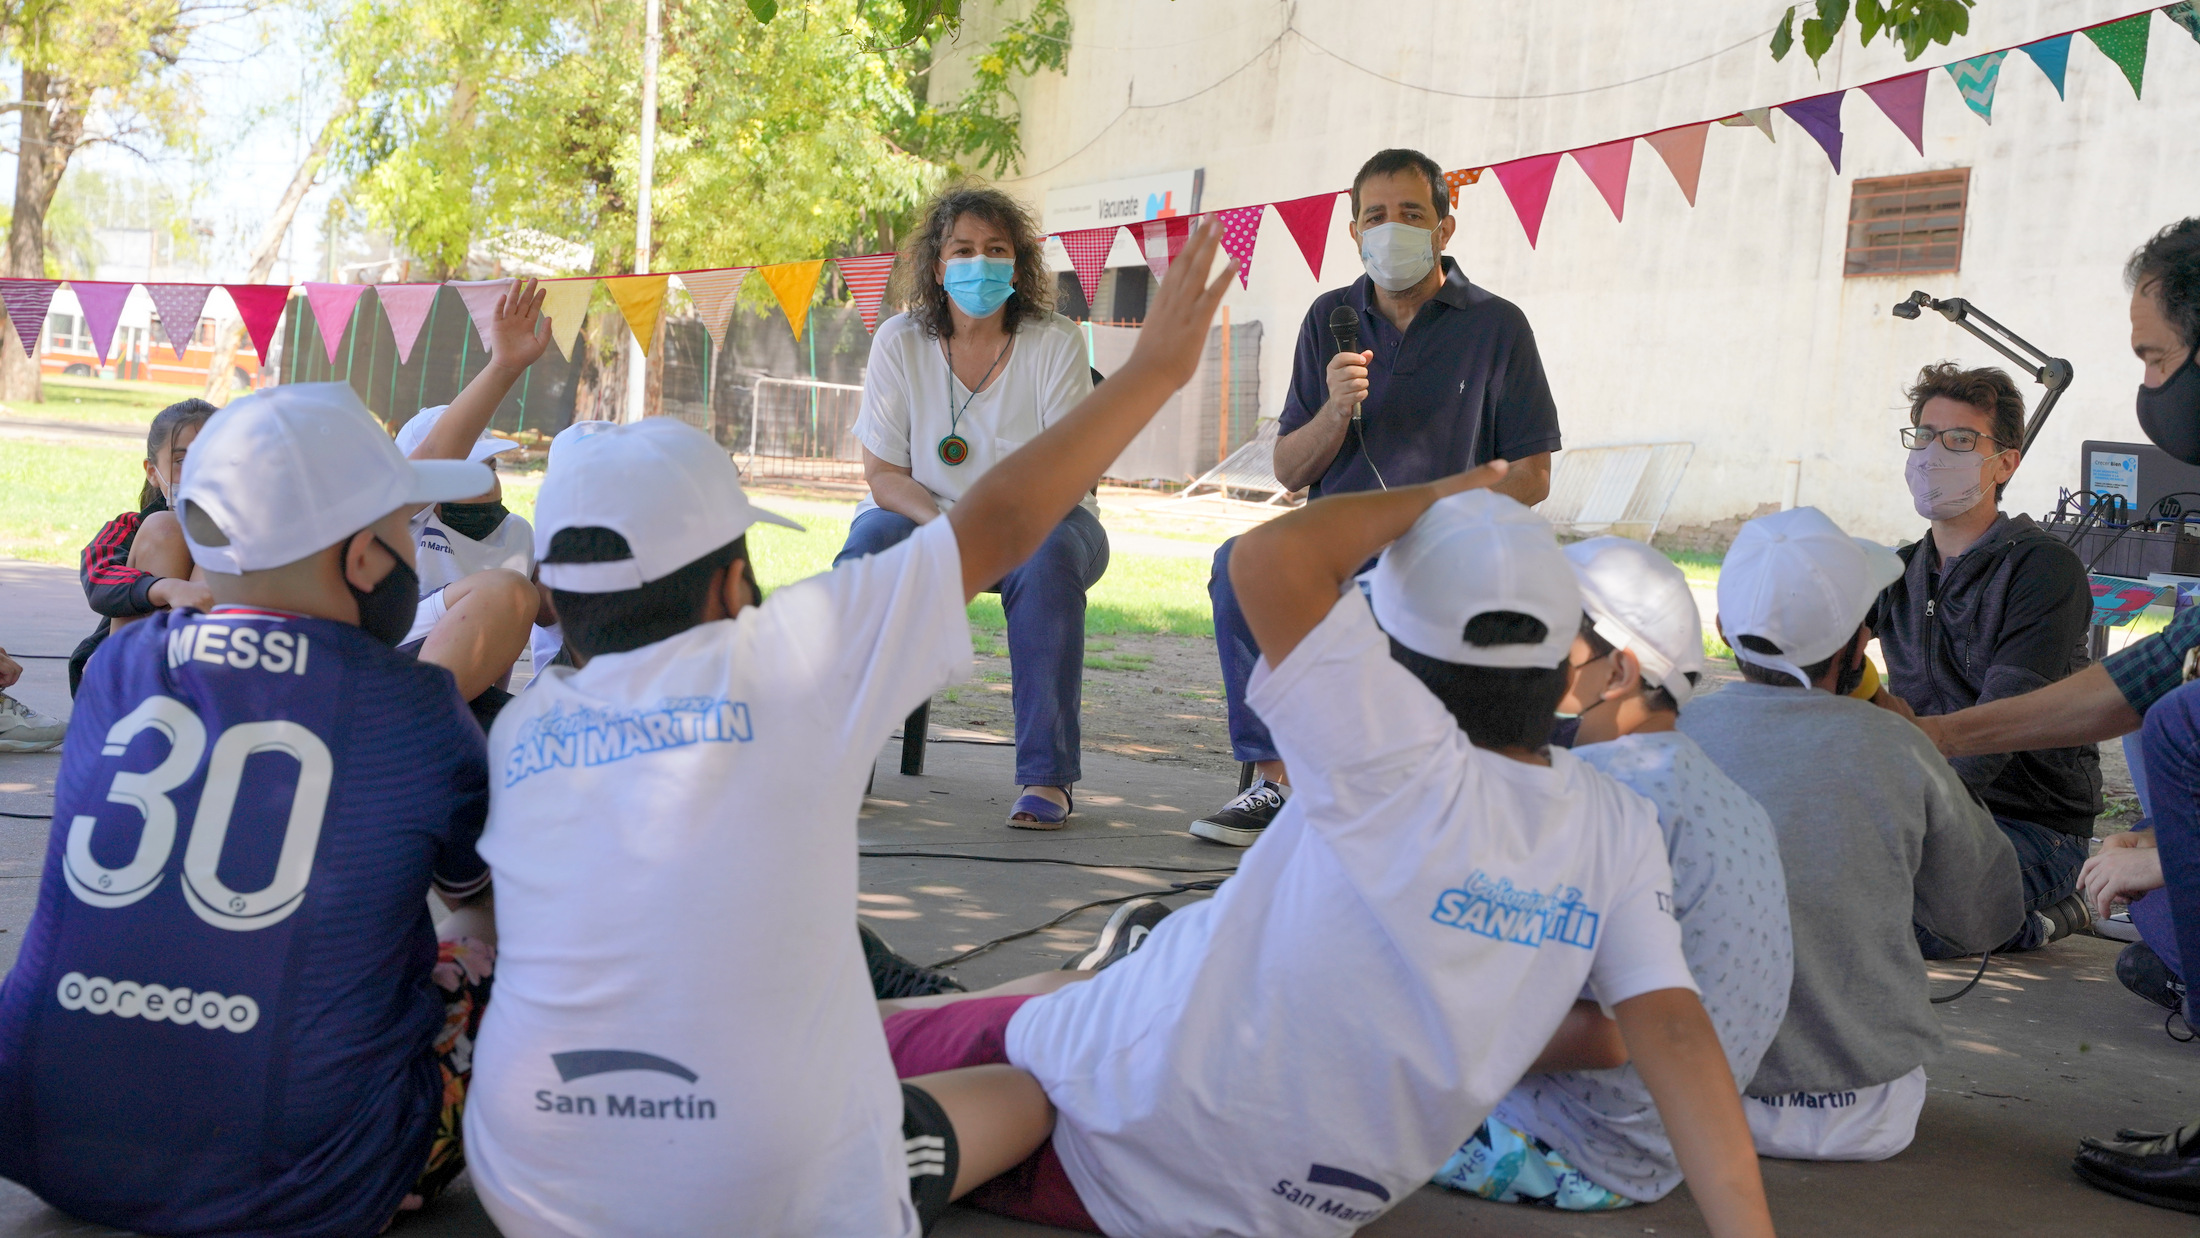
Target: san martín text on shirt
pixel 689 1108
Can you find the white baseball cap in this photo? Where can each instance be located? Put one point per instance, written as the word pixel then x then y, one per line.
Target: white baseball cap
pixel 1795 579
pixel 414 432
pixel 1469 554
pixel 1638 600
pixel 663 485
pixel 277 476
pixel 573 433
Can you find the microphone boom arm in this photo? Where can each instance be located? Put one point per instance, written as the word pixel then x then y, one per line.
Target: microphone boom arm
pixel 2053 373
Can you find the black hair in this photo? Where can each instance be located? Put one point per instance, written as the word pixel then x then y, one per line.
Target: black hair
pixel 1398 159
pixel 167 423
pixel 1656 698
pixel 601 623
pixel 1781 679
pixel 2169 264
pixel 1497 706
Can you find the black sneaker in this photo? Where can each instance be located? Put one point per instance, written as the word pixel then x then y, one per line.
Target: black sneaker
pixel 1240 822
pixel 2143 972
pixel 894 976
pixel 1124 932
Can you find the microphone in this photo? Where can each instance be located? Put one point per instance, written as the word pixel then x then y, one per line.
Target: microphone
pixel 1344 325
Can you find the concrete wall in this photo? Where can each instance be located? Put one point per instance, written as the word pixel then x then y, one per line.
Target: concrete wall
pixel 1728 324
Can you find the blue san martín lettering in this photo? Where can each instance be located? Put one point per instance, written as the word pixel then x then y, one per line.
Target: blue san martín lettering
pixel 1497 910
pixel 1317 1202
pixel 1808 1100
pixel 601 736
pixel 689 1108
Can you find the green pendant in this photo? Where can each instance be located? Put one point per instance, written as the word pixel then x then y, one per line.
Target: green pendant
pixel 954 449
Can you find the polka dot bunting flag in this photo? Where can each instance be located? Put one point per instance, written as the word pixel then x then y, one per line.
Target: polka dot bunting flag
pixel 1240 229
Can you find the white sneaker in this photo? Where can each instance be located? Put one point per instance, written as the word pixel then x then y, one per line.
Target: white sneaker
pixel 23 729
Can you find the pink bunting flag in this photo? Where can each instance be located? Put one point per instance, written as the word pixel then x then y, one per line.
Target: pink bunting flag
pixel 1164 240
pixel 180 307
pixel 1820 117
pixel 1607 166
pixel 1903 100
pixel 1527 183
pixel 261 307
pixel 480 296
pixel 713 293
pixel 1240 230
pixel 1308 222
pixel 102 305
pixel 1682 150
pixel 866 277
pixel 1088 256
pixel 26 301
pixel 332 306
pixel 406 306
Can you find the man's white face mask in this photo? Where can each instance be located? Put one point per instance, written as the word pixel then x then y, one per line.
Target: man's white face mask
pixel 1397 256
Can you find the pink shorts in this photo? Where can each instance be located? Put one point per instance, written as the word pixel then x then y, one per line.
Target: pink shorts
pixel 975 1033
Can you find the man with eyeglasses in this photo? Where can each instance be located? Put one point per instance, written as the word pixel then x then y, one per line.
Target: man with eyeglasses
pixel 1990 606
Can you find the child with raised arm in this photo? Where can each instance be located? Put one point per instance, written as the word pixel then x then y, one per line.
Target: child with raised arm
pixel 684 1039
pixel 1299 1053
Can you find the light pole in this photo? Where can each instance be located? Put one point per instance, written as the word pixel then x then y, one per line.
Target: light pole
pixel 637 365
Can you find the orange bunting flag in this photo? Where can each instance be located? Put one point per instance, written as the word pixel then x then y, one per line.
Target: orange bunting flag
pixel 641 301
pixel 713 293
pixel 794 283
pixel 866 280
pixel 1607 166
pixel 1682 150
pixel 565 304
pixel 1455 181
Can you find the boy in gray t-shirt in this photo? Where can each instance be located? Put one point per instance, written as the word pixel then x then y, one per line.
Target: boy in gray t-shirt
pixel 1593 1139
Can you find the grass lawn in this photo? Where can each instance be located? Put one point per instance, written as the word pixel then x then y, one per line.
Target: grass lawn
pixel 103 403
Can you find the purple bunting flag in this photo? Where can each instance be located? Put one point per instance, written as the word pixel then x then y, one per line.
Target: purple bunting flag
pixel 26 301
pixel 102 306
pixel 1820 117
pixel 180 307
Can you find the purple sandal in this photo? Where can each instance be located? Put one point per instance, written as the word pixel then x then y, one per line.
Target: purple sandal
pixel 1045 813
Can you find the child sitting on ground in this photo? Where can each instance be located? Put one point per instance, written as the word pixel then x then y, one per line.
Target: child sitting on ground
pixel 684 1040
pixel 1300 1052
pixel 1593 1139
pixel 1875 829
pixel 232 1013
pixel 118 582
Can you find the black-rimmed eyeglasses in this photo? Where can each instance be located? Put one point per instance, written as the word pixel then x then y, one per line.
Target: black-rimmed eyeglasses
pixel 1918 438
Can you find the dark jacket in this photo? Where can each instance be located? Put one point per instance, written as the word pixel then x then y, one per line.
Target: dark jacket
pixel 112 587
pixel 2008 616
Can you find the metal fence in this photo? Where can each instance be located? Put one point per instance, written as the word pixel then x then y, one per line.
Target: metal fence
pixel 798 427
pixel 1247 474
pixel 1622 489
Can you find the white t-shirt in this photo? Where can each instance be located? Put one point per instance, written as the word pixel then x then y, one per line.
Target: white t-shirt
pixel 683 1039
pixel 442 557
pixel 1860 1124
pixel 1302 1051
pixel 906 393
pixel 1730 895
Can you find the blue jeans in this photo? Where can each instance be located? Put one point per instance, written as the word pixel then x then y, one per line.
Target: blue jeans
pixel 2169 746
pixel 1045 604
pixel 2150 911
pixel 1249 739
pixel 2047 862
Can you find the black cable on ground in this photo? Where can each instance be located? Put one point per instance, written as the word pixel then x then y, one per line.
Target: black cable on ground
pixel 43 657
pixel 1977 976
pixel 1175 887
pixel 29 816
pixel 1033 859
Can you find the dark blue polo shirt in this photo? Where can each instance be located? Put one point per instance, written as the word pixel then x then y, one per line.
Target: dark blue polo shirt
pixel 1462 385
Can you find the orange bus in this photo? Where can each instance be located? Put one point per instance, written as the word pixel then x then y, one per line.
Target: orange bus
pixel 140 353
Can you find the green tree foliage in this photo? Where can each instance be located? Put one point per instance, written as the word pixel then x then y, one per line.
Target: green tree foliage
pixel 1915 24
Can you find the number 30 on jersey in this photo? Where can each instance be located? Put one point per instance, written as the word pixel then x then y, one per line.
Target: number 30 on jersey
pixel 147 792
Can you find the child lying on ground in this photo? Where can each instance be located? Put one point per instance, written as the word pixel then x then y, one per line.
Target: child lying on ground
pixel 684 1039
pixel 1297 1054
pixel 1593 1139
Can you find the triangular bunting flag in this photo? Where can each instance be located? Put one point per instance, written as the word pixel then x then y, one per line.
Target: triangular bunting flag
pixel 2125 42
pixel 866 277
pixel 1162 240
pixel 26 301
pixel 713 293
pixel 641 301
pixel 2187 14
pixel 1460 179
pixel 480 296
pixel 2053 58
pixel 1903 100
pixel 1308 222
pixel 102 306
pixel 793 284
pixel 180 307
pixel 1240 231
pixel 1682 150
pixel 565 304
pixel 261 307
pixel 332 305
pixel 1607 166
pixel 1758 116
pixel 406 307
pixel 1088 256
pixel 1975 80
pixel 1820 117
pixel 1527 183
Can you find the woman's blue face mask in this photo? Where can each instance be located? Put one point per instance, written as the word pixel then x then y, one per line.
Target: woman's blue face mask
pixel 980 285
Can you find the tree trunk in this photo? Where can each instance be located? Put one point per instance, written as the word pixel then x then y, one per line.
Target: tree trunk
pixel 218 376
pixel 50 134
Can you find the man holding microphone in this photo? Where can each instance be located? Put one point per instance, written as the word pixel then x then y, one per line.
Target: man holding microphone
pixel 1407 374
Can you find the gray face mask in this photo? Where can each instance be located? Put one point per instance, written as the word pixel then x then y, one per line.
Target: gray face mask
pixel 1944 483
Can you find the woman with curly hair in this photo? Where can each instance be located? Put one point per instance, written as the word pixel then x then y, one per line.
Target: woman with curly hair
pixel 976 365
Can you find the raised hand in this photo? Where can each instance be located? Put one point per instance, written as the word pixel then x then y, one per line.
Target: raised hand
pixel 518 332
pixel 1174 335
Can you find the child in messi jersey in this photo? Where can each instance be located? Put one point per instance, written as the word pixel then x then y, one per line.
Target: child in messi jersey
pixel 232 1012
